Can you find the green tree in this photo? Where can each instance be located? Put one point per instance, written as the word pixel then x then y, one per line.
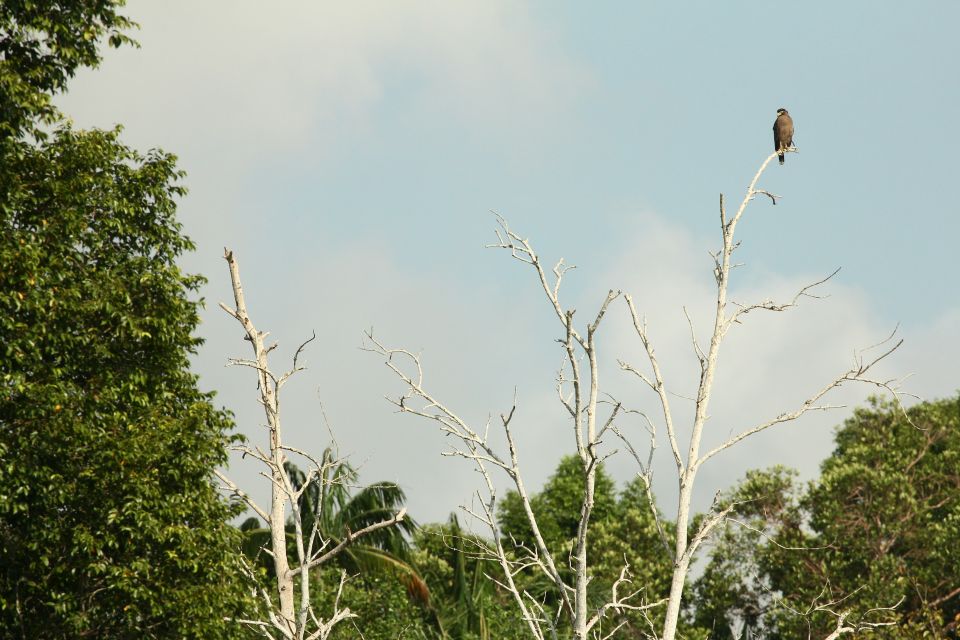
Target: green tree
pixel 557 505
pixel 465 603
pixel 109 523
pixel 880 526
pixel 732 594
pixel 110 526
pixel 42 45
pixel 629 534
pixel 381 603
pixel 623 529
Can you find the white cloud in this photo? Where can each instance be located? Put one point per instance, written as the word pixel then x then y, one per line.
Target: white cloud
pixel 230 82
pixel 931 353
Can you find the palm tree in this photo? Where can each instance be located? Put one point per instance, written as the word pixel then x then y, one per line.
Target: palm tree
pixel 462 594
pixel 471 591
pixel 329 503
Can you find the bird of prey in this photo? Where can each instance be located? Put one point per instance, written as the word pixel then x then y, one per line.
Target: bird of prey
pixel 782 132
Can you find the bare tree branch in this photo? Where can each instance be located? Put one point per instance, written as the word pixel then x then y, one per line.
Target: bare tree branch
pixel 855 374
pixel 658 386
pixel 351 536
pixel 619 603
pixel 240 493
pixel 284 616
pixel 646 476
pixel 770 305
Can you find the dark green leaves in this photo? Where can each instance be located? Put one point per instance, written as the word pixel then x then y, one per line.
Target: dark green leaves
pixel 880 526
pixel 109 522
pixel 42 44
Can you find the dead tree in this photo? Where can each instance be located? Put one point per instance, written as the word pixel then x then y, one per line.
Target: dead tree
pixel 578 386
pixel 727 314
pixel 288 608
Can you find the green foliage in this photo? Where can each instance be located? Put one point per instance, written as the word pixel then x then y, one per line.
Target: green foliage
pixel 629 534
pixel 621 528
pixel 109 523
pixel 880 526
pixel 329 504
pixel 557 506
pixel 732 594
pixel 461 603
pixel 466 604
pixel 42 44
pixel 330 500
pixel 382 607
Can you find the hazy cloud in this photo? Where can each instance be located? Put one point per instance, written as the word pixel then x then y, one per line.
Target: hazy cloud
pixel 228 82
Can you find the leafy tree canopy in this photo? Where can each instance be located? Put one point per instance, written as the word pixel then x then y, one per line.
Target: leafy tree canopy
pixel 109 524
pixel 42 45
pixel 465 603
pixel 622 528
pixel 880 526
pixel 557 506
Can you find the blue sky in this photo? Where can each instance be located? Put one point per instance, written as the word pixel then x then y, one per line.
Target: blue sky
pixel 351 154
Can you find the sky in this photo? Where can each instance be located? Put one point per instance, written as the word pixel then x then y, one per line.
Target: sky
pixel 353 156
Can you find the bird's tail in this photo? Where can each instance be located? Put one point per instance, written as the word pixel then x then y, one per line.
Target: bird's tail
pixel 780 155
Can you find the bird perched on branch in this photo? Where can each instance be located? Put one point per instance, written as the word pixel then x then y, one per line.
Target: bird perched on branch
pixel 782 132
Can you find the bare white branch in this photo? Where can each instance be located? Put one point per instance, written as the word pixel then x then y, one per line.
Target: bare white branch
pixel 770 305
pixel 646 476
pixel 856 373
pixel 658 386
pixel 618 602
pixel 240 493
pixel 285 618
pixel 351 536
